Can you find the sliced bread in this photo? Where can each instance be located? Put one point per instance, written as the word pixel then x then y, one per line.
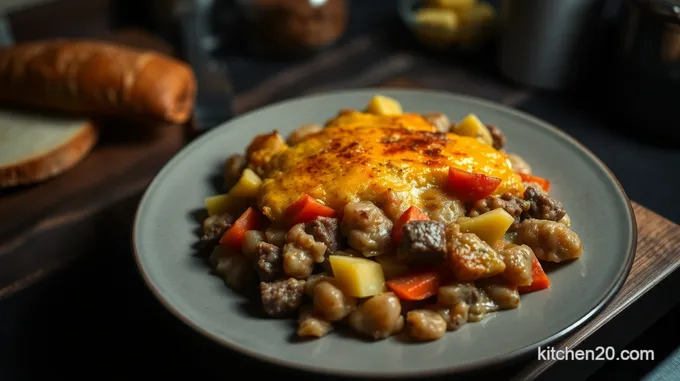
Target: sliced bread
pixel 35 147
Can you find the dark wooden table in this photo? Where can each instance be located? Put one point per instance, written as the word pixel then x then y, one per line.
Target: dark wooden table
pixel 75 307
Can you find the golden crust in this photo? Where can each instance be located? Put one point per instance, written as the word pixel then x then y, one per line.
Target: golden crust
pixel 359 157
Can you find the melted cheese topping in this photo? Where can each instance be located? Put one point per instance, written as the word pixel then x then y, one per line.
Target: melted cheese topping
pixel 358 157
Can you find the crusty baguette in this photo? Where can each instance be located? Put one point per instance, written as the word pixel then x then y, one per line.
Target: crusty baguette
pixel 37 147
pixel 97 78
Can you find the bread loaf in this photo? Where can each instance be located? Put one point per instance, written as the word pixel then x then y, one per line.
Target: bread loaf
pixel 97 78
pixel 36 147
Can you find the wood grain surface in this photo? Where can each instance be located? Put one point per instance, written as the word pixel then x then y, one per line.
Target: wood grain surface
pixel 45 226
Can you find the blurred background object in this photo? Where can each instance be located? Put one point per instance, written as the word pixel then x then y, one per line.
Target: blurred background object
pixel 443 24
pixel 6 37
pixel 545 43
pixel 647 66
pixel 611 102
pixel 214 99
pixel 293 27
pixel 269 29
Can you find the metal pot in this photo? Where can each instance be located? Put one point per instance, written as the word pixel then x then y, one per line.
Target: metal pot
pixel 545 44
pixel 648 65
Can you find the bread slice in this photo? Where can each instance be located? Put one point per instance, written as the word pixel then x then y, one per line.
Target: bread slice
pixel 35 147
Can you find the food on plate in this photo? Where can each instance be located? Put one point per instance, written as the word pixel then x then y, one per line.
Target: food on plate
pixel 381 222
pixel 473 127
pixel 98 78
pixel 381 105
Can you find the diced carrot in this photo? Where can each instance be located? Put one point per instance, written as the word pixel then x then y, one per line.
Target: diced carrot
pixel 305 209
pixel 234 236
pixel 411 214
pixel 469 186
pixel 415 286
pixel 539 279
pixel 544 183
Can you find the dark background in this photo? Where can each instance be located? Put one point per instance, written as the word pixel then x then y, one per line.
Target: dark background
pixel 56 329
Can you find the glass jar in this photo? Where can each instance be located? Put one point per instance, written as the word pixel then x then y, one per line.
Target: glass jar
pixel 293 27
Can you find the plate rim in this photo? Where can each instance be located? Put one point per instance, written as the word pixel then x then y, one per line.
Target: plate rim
pixel 452 370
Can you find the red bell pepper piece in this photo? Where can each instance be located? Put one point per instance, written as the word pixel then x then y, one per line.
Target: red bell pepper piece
pixel 305 209
pixel 411 214
pixel 234 236
pixel 415 286
pixel 469 186
pixel 544 183
pixel 539 279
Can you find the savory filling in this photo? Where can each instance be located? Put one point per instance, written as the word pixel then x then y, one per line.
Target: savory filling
pixel 385 221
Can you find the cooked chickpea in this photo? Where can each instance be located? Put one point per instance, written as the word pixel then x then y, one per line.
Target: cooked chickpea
pixel 331 302
pixel 425 325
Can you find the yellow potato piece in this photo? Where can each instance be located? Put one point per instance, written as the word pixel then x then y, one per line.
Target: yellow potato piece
pixel 217 204
pixel 248 185
pixel 357 277
pixel 490 226
pixel 382 105
pixel 473 127
pixel 391 266
pixel 457 5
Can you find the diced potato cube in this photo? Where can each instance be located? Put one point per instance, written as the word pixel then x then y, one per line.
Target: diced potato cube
pixel 392 267
pixel 490 226
pixel 217 204
pixel 248 185
pixel 357 277
pixel 473 127
pixel 457 5
pixel 382 105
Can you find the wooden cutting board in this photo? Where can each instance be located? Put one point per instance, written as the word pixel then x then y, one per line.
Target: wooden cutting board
pixel 46 226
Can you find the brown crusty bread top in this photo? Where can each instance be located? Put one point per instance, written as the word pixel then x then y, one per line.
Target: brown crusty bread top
pixel 97 78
